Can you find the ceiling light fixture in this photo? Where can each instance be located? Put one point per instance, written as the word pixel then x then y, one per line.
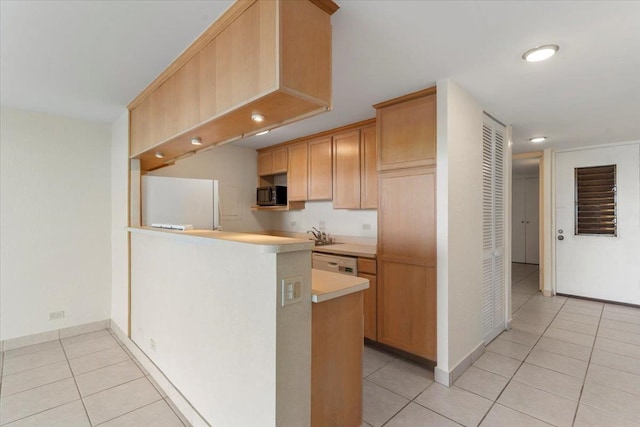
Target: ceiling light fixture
pixel 257 118
pixel 159 155
pixel 264 132
pixel 538 139
pixel 196 141
pixel 540 53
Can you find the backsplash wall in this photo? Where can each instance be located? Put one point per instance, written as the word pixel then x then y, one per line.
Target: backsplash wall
pixel 342 222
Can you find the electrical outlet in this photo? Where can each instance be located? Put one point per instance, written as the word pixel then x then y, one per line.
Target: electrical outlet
pixel 366 226
pixel 152 343
pixel 291 290
pixel 54 315
pixel 141 333
pixel 293 223
pixel 322 225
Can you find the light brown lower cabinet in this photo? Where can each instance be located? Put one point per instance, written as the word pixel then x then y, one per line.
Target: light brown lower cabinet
pixel 367 270
pixel 407 308
pixel 336 362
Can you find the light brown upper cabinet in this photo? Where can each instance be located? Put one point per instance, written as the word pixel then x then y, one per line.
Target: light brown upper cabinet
pixel 368 170
pixel 355 178
pixel 297 175
pixel 272 162
pixel 265 57
pixel 407 131
pixel 320 175
pixel 346 170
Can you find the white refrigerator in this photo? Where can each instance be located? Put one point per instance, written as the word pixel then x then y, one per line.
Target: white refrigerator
pixel 180 203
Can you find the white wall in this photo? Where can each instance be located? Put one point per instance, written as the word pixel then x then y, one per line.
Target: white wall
pixel 459 227
pixel 341 222
pixel 54 222
pixel 119 220
pixel 221 335
pixel 236 170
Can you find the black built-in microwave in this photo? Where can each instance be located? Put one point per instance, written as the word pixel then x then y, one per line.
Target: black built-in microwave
pixel 272 196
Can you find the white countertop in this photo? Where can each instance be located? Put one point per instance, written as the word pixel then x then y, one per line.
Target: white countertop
pixel 266 242
pixel 364 251
pixel 326 285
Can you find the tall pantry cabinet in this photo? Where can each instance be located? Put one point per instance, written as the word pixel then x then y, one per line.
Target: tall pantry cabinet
pixel 406 163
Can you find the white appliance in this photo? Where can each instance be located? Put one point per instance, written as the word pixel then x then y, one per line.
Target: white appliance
pixel 180 202
pixel 337 264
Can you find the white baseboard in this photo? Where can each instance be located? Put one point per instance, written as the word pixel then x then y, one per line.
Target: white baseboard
pixel 445 378
pixel 56 334
pixel 183 405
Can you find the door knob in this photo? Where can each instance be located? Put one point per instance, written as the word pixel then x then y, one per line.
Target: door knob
pixel 561 237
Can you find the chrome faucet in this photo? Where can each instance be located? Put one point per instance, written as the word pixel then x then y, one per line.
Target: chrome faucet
pixel 321 237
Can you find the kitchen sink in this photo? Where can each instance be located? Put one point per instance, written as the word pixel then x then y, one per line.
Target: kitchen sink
pixel 326 243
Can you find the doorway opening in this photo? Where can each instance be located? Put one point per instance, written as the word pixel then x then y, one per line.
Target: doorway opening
pixel 525 229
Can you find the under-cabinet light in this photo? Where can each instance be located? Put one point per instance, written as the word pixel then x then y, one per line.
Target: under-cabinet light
pixel 159 155
pixel 264 132
pixel 540 53
pixel 257 118
pixel 196 141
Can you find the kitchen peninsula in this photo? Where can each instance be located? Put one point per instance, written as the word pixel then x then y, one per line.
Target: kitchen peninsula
pixel 213 311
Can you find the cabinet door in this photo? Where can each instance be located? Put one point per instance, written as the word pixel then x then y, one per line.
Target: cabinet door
pixel 141 128
pixel 346 170
pixel 407 261
pixel 407 216
pixel 407 134
pixel 407 308
pixel 265 163
pixel 368 169
pixel 320 175
pixel 370 309
pixel 297 176
pixel 279 161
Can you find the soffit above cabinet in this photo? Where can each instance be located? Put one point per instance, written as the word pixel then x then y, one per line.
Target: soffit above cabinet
pixel 266 57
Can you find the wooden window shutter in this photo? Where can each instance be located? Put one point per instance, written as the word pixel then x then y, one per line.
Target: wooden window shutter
pixel 595 201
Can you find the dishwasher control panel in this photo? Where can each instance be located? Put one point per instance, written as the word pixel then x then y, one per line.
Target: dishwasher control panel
pixel 337 264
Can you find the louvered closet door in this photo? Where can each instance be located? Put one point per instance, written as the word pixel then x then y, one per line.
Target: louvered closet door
pixel 493 277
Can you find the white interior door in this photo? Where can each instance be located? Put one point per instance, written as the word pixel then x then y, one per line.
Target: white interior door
pixel 518 241
pixel 532 236
pixel 493 219
pixel 595 266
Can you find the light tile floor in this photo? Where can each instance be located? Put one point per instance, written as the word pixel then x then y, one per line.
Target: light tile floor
pixel 565 362
pixel 85 380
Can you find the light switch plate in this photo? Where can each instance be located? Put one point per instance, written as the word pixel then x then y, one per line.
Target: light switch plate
pixel 291 290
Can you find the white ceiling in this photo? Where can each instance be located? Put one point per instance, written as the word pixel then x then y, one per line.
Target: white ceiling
pixel 89 59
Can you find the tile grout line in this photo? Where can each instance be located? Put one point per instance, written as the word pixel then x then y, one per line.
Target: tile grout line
pixel 76 383
pixel 180 416
pixel 148 374
pixel 584 381
pixel 521 363
pixel 126 413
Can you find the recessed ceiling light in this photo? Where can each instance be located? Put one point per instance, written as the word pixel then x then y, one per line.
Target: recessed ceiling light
pixel 257 118
pixel 540 53
pixel 538 139
pixel 196 141
pixel 159 155
pixel 264 132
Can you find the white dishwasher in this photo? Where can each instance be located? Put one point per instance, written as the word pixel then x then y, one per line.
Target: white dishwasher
pixel 335 263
